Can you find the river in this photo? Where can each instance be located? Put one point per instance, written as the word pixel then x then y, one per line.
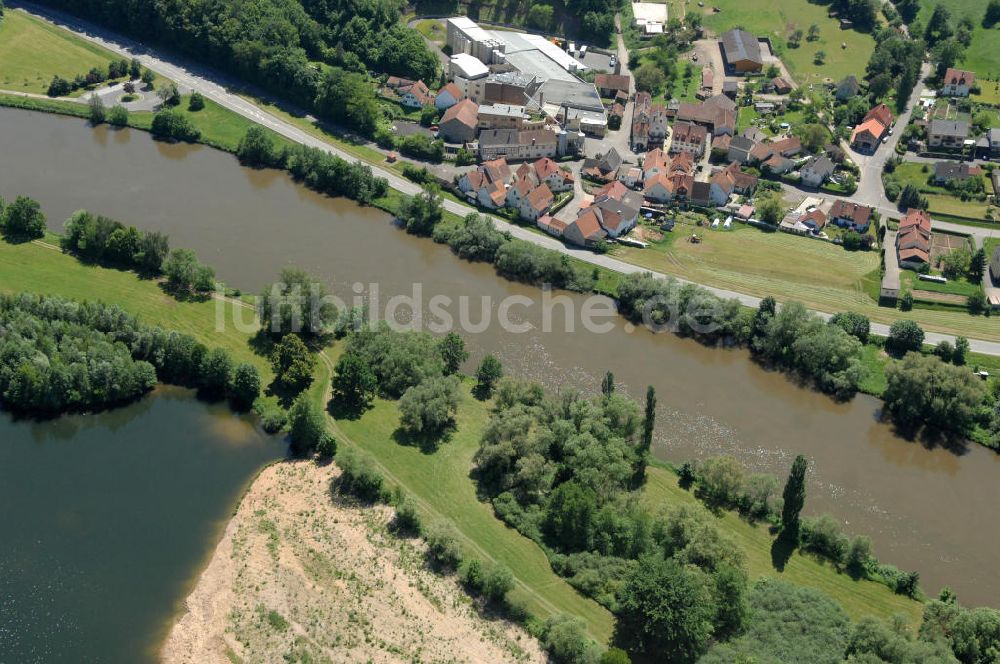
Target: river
pixel 926 509
pixel 107 518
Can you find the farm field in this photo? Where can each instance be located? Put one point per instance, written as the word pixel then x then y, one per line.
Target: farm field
pixel 779 18
pixel 32 52
pixel 859 598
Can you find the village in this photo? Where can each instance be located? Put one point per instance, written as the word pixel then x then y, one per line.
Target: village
pixel 561 140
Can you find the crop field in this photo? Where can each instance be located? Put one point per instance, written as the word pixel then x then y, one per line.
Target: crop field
pixel 32 52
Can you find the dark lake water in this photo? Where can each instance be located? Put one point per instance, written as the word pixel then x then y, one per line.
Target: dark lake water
pixel 926 509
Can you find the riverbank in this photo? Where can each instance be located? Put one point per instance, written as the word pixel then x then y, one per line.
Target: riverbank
pixel 301 573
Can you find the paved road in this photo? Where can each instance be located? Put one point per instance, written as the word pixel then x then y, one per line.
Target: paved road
pixel 212 84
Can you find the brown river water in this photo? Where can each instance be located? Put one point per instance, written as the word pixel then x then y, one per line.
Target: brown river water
pixel 932 510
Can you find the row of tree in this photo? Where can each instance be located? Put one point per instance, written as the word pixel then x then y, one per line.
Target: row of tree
pixel 57 355
pixel 60 87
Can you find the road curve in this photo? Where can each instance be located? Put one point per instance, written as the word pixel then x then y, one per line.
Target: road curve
pixel 211 84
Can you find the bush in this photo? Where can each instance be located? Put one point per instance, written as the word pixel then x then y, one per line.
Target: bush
pixel 172 126
pixel 442 544
pixel 904 336
pixel 273 419
pixel 307 427
pixel 22 220
pixel 196 102
pixel 565 639
pixel 359 477
pixel 407 519
pixel 59 87
pixel 823 537
pixel 429 407
pixel 118 116
pixel 245 386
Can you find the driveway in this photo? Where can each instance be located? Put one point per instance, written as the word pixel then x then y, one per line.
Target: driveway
pixel 211 84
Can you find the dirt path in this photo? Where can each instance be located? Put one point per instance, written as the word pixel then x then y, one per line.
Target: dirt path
pixel 300 574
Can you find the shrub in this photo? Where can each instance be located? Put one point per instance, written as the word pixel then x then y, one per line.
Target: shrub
pixel 442 544
pixel 172 126
pixel 823 537
pixel 359 477
pixel 429 407
pixel 196 102
pixel 407 519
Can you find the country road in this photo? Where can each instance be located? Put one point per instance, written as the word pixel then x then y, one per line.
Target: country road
pixel 213 85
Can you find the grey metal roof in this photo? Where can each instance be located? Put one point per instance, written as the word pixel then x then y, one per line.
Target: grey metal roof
pixel 498 137
pixel 741 45
pixel 949 128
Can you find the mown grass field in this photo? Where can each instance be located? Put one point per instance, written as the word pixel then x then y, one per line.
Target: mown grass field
pixel 983 55
pixel 440 482
pixel 778 19
pixel 32 52
pixel 819 274
pixel 939 198
pixel 45 270
pixel 859 598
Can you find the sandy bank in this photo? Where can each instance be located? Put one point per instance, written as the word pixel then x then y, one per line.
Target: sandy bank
pixel 298 573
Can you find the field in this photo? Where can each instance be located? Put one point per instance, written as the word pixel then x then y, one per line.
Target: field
pixel 32 52
pixel 859 598
pixel 983 56
pixel 777 19
pixel 42 268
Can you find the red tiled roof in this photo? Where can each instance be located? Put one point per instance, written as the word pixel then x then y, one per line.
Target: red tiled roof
pixel 871 126
pixel 959 77
pixel 919 219
pixel 612 82
pixel 880 113
pixel 842 209
pixel 466 112
pixel 540 198
pixel 453 90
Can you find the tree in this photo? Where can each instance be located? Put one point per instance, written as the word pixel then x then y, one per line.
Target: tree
pixel 256 148
pixel 59 87
pixel 428 115
pixel 22 220
pixel 564 637
pixel 615 656
pixel 540 16
pixel 292 363
pixel 648 427
pixel 819 58
pixel 135 69
pixel 97 111
pixel 353 381
pixel 649 78
pixel 118 116
pixel 977 266
pixel 185 273
pixel 153 250
pixel 924 391
pixel 245 386
pixel 732 601
pixel 977 302
pixel 794 497
pixel 939 26
pixel 306 424
pixel 665 611
pixel 148 77
pixel 197 102
pixel 813 32
pixel 297 303
pixel 442 544
pixel 453 352
pixel 350 98
pixel 608 384
pixel 855 324
pixel 421 213
pixel 489 372
pixel 216 372
pixel 795 40
pixel 172 126
pixel 904 336
pixel 992 15
pixel 429 408
pixel 813 136
pixel 961 350
pixel 771 209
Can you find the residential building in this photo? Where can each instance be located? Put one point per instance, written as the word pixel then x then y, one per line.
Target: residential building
pixel 501 116
pixel 586 229
pixel 604 167
pixel 700 194
pixel 416 95
pixel 459 122
pixel 664 187
pixel 517 145
pixel 518 191
pixel 882 114
pixel 816 171
pixel 957 82
pixel 641 122
pixel 547 172
pixel 616 216
pixel 720 146
pixel 741 52
pixel 728 181
pixel 486 184
pixel 536 203
pixel 609 85
pixel 717 114
pixel 689 137
pixel 659 124
pixel 954 170
pixel 989 144
pixel 995 265
pixel 809 221
pixel 631 177
pixel 853 216
pixel 867 136
pixel 551 225
pixel 948 134
pixel 448 96
pixel 739 149
pixel 913 239
pixel 778 165
pixel 655 162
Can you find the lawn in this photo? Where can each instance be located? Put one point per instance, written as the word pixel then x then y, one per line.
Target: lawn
pixel 777 19
pixel 859 598
pixel 939 198
pixel 44 269
pixel 32 52
pixel 440 482
pixel 433 30
pixel 983 55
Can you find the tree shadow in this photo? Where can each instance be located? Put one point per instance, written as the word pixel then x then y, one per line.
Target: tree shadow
pixel 782 548
pixel 183 294
pixel 344 409
pixel 426 441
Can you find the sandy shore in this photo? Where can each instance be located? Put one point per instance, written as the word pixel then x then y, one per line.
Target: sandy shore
pixel 300 574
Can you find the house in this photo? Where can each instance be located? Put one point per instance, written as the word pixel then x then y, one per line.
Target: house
pixel 609 85
pixel 847 214
pixel 741 52
pixel 688 137
pixel 816 171
pixel 536 203
pixel 913 239
pixel 416 95
pixel 616 216
pixel 459 122
pixel 728 181
pixel 551 225
pixel 700 194
pixel 641 121
pixel 720 145
pixel 659 124
pixel 717 114
pixel 995 265
pixel 988 146
pixel 394 83
pixel 781 85
pixel 516 145
pixel 663 188
pixel 882 114
pixel 804 222
pixel 448 96
pixel 785 147
pixel 501 116
pixel 847 89
pixel 586 229
pixel 604 167
pixel 487 172
pixel 778 165
pixel 952 170
pixel 518 191
pixel 547 172
pixel 654 162
pixel 867 136
pixel 739 149
pixel 631 177
pixel 949 134
pixel 957 82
